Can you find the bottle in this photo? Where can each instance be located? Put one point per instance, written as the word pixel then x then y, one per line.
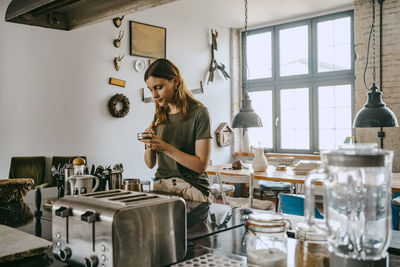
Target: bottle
pixel 266 240
pixel 259 163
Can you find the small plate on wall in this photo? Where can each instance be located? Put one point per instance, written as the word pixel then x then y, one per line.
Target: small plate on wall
pixel 140 65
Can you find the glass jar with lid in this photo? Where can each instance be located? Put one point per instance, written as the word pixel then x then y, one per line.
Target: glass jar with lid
pixel 79 166
pixel 266 240
pixel 311 246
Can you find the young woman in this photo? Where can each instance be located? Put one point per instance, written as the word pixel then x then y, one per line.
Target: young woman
pixel 180 135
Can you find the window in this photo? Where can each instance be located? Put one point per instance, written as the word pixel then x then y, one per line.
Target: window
pixel 300 78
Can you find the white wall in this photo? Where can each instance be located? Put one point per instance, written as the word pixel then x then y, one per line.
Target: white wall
pixel 54 88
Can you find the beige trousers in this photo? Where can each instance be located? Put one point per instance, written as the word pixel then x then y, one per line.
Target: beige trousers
pixel 181 188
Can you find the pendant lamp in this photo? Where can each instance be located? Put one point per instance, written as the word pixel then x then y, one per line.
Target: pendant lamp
pixel 375 113
pixel 246 118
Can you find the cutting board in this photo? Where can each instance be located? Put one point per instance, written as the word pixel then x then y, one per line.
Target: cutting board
pixel 16 245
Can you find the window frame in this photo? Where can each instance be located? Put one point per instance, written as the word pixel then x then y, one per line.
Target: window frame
pixel 312 80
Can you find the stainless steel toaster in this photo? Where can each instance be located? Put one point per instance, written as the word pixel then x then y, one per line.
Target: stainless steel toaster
pixel 119 228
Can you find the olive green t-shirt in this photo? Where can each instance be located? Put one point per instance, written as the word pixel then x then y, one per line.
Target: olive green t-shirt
pixel 182 133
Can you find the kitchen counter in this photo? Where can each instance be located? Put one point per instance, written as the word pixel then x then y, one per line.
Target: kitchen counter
pixel 212 228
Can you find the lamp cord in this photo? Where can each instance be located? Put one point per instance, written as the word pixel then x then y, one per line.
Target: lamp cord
pixel 372 32
pixel 246 67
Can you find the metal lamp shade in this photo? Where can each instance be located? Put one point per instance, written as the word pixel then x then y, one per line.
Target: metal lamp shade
pixel 375 113
pixel 246 118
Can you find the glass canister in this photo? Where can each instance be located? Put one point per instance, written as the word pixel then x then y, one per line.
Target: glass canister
pixel 311 247
pixel 79 166
pixel 266 240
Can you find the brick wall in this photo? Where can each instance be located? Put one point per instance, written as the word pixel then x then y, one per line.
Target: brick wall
pixel 390 64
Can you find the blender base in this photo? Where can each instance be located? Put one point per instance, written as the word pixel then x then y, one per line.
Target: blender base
pixel 337 261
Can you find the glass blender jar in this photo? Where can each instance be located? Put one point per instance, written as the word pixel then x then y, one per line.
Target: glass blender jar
pixel 357 197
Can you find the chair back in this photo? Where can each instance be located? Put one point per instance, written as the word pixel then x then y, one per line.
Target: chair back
pixel 236 179
pixel 294 204
pixel 28 167
pixel 240 201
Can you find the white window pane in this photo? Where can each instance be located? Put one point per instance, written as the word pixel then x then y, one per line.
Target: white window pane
pixel 302 139
pixel 342 32
pixel 325 37
pixel 288 118
pixel 326 97
pixel 302 119
pixel 301 99
pixel 343 118
pixel 287 99
pixel 342 57
pixel 343 95
pixel 294 117
pixel 326 118
pixel 334 118
pixel 325 138
pixel 334 45
pixel 288 142
pixel 259 59
pixel 262 104
pixel 325 59
pixel 293 51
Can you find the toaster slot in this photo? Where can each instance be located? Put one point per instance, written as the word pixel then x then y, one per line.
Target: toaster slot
pixel 130 201
pixel 104 192
pixel 107 194
pixel 125 197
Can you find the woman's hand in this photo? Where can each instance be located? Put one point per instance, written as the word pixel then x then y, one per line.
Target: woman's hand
pixel 148 133
pixel 155 143
pixel 149 154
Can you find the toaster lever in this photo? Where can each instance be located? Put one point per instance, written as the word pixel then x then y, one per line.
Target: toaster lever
pixel 63 212
pixel 89 216
pixel 91 261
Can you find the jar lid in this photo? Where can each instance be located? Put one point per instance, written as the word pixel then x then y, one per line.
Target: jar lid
pixel 266 220
pixel 78 161
pixel 311 232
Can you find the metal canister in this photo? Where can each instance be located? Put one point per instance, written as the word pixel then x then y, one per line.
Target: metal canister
pixel 132 185
pixel 116 179
pixel 69 171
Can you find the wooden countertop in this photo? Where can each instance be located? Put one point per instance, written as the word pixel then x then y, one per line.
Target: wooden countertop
pixel 297 156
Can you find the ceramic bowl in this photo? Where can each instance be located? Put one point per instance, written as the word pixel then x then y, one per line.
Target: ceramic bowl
pixel 282 162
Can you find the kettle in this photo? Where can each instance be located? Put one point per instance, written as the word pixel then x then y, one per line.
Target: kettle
pixel 357 203
pixel 82 184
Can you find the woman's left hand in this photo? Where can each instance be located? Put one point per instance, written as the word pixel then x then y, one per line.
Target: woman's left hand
pixel 156 144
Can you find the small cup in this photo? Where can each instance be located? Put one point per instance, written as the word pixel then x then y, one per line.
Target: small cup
pixel 141 136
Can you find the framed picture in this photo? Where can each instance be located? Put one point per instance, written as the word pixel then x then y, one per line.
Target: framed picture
pixel 147 40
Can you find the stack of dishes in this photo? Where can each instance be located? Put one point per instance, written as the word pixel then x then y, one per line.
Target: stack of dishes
pixel 304 167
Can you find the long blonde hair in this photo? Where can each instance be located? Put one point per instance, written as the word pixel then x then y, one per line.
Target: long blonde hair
pixel 163 68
